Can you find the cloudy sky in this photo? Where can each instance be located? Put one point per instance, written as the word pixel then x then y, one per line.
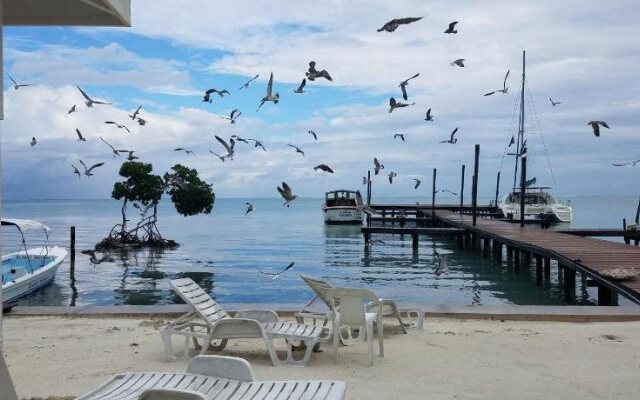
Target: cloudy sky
pixel 583 53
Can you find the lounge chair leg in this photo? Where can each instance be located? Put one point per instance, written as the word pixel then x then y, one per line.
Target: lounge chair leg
pixel 168 346
pixel 369 339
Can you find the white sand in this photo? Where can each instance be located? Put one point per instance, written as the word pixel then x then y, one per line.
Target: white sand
pixel 451 359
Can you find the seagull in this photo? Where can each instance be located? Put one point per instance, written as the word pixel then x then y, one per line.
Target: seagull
pixel 530 182
pixel 452 140
pixel 249 208
pixel 313 73
pixel 143 211
pixel 87 171
pixel 399 135
pixel 363 207
pixel 135 113
pixel 258 143
pixel 130 157
pixel 428 116
pixel 233 116
pixel 80 137
pixel 512 141
pixel 113 149
pixel 312 133
pixel 246 84
pixel 33 141
pixel 596 126
pixel 207 94
pixel 270 97
pixel 323 167
pixel 95 260
pixel 447 191
pixel 141 121
pixel 17 86
pixel 394 23
pixel 300 88
pixel 403 85
pixel 365 180
pixel 72 109
pixel 187 152
pixel 297 149
pixel 118 125
pixel 451 28
pixel 374 241
pixel 377 165
pixel 76 171
pixel 442 266
pixel 276 276
pixel 217 155
pixel 239 139
pixel 554 103
pixel 631 163
pixel 286 194
pixel 229 147
pixel 418 182
pixel 459 62
pixel 504 89
pixel 391 176
pixel 393 104
pixel 89 101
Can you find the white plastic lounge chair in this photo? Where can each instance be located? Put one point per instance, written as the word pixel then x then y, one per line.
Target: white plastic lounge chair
pixel 210 322
pixel 213 377
pixel 389 308
pixel 348 310
pixel 171 394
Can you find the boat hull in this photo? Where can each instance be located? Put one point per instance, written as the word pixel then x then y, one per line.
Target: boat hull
pixel 32 282
pixel 342 215
pixel 559 213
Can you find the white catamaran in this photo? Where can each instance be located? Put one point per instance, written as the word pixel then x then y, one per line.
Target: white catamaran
pixel 538 202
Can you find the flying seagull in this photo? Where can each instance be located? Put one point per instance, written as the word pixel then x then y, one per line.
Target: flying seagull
pixel 447 191
pixel 235 113
pixel 365 180
pixel 512 141
pixel 80 137
pixel 596 126
pixel 258 143
pixel 118 125
pixel 249 208
pixel 377 165
pixel 312 133
pixel 207 95
pixel 72 109
pixel 239 139
pixel 403 85
pixel 143 211
pixel 554 103
pixel 300 88
pixel 393 104
pixel 504 89
pixel 428 116
pixel 135 113
pixel 17 86
pixel 33 141
pixel 323 167
pixel 530 182
pixel 217 155
pixel 395 23
pixel 246 84
pixel 113 149
pixel 275 276
pixel 459 62
pixel 451 28
pixel 287 195
pixel 418 182
pixel 141 121
pixel 269 97
pixel 631 163
pixel 391 176
pixel 229 147
pixel 399 135
pixel 452 140
pixel 88 100
pixel 297 149
pixel 187 152
pixel 76 171
pixel 130 157
pixel 312 73
pixel 87 171
pixel 95 260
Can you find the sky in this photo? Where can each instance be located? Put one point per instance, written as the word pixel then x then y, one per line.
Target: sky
pixel 582 53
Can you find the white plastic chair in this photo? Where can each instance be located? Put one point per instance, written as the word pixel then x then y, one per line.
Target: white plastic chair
pixel 170 394
pixel 352 314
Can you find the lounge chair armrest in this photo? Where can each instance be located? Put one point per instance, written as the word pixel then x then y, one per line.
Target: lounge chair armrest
pixel 264 316
pixel 222 367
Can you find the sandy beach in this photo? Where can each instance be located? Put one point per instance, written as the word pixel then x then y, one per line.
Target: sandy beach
pixel 462 359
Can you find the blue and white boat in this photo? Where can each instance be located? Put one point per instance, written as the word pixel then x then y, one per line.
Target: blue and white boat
pixel 29 270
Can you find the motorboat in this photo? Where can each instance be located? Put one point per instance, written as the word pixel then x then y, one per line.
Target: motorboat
pixel 538 204
pixel 340 207
pixel 29 270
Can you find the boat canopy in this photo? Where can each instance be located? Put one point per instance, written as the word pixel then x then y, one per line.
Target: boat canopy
pixel 26 225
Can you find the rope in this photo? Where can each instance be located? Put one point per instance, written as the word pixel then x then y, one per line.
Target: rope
pixel 546 152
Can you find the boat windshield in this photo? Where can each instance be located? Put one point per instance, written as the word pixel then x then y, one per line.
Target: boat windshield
pixel 341 199
pixel 531 198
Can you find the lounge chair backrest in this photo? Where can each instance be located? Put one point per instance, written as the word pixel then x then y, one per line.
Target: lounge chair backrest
pixel 320 288
pixel 352 304
pixel 194 295
pixel 171 394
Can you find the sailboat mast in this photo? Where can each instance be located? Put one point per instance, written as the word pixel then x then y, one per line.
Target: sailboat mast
pixel 520 141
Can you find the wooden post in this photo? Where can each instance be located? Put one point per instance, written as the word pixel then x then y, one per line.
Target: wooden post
pixel 72 250
pixel 547 269
pixel 474 188
pixel 509 254
pixel 516 261
pixel 414 241
pixel 433 195
pixel 569 284
pixel 627 239
pixel 539 270
pixel 367 238
pixel 497 190
pixel 460 240
pixel 369 187
pixel 523 179
pixel 497 249
pixel 462 190
pixel 486 242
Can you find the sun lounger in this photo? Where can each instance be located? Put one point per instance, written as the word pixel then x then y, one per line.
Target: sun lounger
pixel 321 288
pixel 212 377
pixel 210 322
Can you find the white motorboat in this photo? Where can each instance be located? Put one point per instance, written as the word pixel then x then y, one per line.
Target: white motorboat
pixel 340 207
pixel 29 270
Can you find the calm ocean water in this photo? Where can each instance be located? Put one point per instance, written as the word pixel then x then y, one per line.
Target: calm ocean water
pixel 225 250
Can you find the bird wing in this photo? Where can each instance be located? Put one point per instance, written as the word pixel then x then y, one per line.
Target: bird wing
pixel 302 85
pixel 178 149
pixel 407 20
pixel 453 133
pixel 107 143
pixel 86 96
pixel 110 122
pixel 83 165
pixel 135 113
pixel 286 189
pixel 226 146
pixel 376 162
pixel 12 80
pixel 313 134
pixel 270 85
pixel 232 144
pixel 282 192
pixel 325 74
pixel 490 93
pixel 415 76
pixel 209 91
pixel 95 166
pixel 295 147
pixel 99 102
pixel 603 124
pixel 125 128
pixel 79 134
pixel 268 273
pixel 504 83
pixel 235 110
pixel 288 267
pixel 404 91
pixel 428 115
pixel 452 25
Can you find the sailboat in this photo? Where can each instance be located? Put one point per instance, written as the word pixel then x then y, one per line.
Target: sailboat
pixel 539 203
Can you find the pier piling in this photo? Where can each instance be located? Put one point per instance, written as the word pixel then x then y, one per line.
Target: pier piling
pixel 462 190
pixel 474 187
pixel 539 271
pixel 523 184
pixel 497 190
pixel 433 195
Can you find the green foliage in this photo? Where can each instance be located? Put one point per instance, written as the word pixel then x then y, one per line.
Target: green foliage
pixel 141 185
pixel 190 195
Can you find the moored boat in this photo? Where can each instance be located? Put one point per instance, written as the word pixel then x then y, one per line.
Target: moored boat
pixel 340 207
